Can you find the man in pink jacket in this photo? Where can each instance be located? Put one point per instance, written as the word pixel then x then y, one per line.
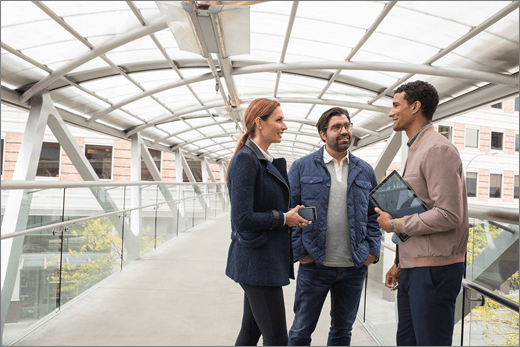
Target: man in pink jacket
pixel 430 264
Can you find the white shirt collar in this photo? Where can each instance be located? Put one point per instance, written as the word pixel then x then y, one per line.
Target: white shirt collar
pixel 327 157
pixel 267 156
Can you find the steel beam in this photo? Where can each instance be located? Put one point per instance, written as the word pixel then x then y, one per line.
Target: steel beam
pixel 156 25
pixel 19 202
pixel 387 155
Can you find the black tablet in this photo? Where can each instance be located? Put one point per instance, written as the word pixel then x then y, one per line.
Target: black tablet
pixel 394 196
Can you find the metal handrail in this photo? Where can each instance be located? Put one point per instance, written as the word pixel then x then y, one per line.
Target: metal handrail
pixel 501 299
pixel 73 221
pixel 497 214
pixel 18 184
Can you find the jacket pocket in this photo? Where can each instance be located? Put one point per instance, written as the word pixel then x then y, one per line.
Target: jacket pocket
pixel 250 240
pixel 311 180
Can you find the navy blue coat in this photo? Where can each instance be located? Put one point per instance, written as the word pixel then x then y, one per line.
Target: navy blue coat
pixel 260 252
pixel 310 186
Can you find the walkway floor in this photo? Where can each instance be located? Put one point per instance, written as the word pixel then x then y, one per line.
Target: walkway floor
pixel 177 295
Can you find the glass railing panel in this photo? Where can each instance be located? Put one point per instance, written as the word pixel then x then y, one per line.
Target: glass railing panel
pixel 86 202
pixel 167 214
pixel 149 196
pixel 46 206
pixel 380 306
pixel 36 287
pixel 91 253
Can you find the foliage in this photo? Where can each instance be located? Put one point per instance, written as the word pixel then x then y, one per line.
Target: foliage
pixel 501 323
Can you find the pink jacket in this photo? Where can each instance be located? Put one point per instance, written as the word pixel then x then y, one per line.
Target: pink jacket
pixel 439 236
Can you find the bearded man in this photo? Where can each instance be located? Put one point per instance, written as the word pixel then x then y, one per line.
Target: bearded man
pixel 335 250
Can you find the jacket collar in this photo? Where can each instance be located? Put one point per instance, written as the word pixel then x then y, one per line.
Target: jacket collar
pixel 421 136
pixel 353 168
pixel 272 167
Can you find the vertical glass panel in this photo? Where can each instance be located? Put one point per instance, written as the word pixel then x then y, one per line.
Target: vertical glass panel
pixel 49 163
pixel 91 253
pixel 516 191
pixel 517 143
pixel 471 184
pixel 445 131
pixel 167 214
pixel 516 105
pixel 472 138
pixel 495 186
pixel 149 196
pixel 497 140
pixel 381 302
pixel 84 202
pixel 46 206
pixel 36 287
pixel 491 324
pixel 2 158
pixel 156 156
pixel 100 157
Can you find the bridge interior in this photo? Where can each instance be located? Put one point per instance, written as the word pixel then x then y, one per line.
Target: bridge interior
pixel 177 77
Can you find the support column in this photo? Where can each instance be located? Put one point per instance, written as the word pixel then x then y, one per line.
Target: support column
pixel 156 175
pixel 136 221
pixel 19 202
pixel 180 189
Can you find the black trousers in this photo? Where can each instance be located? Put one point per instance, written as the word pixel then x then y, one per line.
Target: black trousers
pixel 426 304
pixel 264 314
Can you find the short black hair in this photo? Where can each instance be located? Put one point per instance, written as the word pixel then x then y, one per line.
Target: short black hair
pixel 423 92
pixel 323 122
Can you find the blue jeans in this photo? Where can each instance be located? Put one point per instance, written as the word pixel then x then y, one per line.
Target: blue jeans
pixel 426 304
pixel 313 284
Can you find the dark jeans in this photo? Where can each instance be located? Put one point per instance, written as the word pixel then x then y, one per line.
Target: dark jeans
pixel 313 284
pixel 264 314
pixel 426 305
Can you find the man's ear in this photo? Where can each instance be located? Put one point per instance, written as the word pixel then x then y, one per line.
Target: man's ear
pixel 323 136
pixel 416 107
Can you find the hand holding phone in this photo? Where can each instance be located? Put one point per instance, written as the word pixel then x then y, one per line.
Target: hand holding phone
pixel 308 213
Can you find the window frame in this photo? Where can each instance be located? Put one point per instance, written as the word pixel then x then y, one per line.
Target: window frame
pixel 500 106
pixel 515 175
pixel 451 131
pixel 501 186
pixel 160 162
pixel 112 159
pixel 3 155
pixel 466 139
pixel 491 140
pixel 476 184
pixel 56 178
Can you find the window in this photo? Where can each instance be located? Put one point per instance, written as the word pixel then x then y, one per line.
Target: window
pixel 472 138
pixel 516 191
pixel 100 157
pixel 516 105
pixel 497 140
pixel 196 169
pixel 495 186
pixel 517 145
pixel 2 159
pixel 49 163
pixel 471 184
pixel 145 172
pixel 498 106
pixel 445 131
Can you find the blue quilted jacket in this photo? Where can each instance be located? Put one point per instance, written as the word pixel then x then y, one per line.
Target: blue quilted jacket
pixel 309 179
pixel 260 253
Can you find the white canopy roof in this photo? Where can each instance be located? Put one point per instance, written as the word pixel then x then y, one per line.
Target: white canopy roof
pixel 116 67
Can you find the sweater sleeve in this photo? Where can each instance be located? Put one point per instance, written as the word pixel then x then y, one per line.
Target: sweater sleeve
pixel 444 177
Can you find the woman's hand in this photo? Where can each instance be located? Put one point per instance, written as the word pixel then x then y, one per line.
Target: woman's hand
pixel 293 219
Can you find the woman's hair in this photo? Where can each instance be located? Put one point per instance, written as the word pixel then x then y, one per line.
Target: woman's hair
pixel 258 108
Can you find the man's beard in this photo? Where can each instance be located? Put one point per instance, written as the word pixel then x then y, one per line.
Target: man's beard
pixel 335 144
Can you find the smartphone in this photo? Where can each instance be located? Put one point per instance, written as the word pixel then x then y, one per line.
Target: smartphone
pixel 308 213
